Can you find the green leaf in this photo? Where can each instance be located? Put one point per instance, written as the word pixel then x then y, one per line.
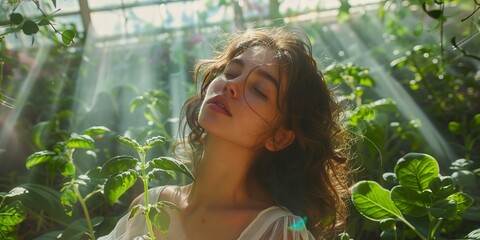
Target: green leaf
pixel 8 232
pixel 117 185
pixel 418 29
pixel 168 163
pixel 12 214
pixel 464 178
pixel 39 157
pixel 454 127
pixel 373 201
pixel 17 191
pixel 442 187
pixel 95 130
pixel 390 177
pixel 135 210
pixel 38 132
pixel 129 142
pixel 444 209
pixel 68 199
pixel 475 234
pixel 65 167
pixel 16 18
pixel 45 21
pixel 154 141
pixel 416 171
pixel 463 200
pixel 118 164
pixel 408 201
pixel 136 102
pixel 160 219
pixel 68 36
pixel 29 27
pixel 80 141
pixel 54 2
pixel 475 123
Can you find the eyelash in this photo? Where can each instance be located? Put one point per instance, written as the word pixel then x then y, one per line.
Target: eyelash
pixel 230 76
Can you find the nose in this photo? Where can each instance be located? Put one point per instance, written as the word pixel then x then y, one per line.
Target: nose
pixel 233 87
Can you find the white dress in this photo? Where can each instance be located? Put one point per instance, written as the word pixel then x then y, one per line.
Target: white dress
pixel 273 223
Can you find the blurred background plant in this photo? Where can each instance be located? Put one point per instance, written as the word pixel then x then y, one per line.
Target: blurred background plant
pixel 407 71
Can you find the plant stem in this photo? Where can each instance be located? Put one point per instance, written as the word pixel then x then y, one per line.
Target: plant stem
pixel 85 211
pixel 413 228
pixel 432 232
pixel 145 193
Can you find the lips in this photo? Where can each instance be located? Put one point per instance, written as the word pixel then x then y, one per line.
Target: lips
pixel 220 103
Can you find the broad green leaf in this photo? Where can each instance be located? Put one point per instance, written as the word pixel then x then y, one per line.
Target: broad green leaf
pixel 136 102
pixel 475 123
pixel 117 185
pixel 408 201
pixel 444 209
pixel 416 171
pixel 464 178
pixel 29 27
pixel 475 234
pixel 160 219
pixel 16 192
pixel 454 127
pixel 12 214
pixel 463 200
pixel 65 167
pixel 16 18
pixel 96 130
pixel 80 141
pixel 129 142
pixel 461 164
pixel 68 36
pixel 168 163
pixel 373 201
pixel 118 164
pixel 39 157
pixel 157 173
pixel 8 232
pixel 154 141
pixel 38 132
pixel 442 187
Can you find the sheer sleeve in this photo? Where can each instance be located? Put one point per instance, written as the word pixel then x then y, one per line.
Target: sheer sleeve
pixel 126 229
pixel 277 223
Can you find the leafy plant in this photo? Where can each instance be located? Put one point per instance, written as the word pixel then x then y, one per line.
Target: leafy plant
pixel 421 199
pixel 123 172
pixel 61 158
pixel 31 27
pixel 11 213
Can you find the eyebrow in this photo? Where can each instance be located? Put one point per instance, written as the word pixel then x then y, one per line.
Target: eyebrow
pixel 261 72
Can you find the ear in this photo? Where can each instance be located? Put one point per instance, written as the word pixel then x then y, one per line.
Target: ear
pixel 281 139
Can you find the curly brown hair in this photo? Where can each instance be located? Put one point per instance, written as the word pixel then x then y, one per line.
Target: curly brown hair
pixel 311 176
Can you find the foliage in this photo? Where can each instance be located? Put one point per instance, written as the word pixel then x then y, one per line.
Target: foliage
pixel 123 171
pixel 421 199
pixel 30 27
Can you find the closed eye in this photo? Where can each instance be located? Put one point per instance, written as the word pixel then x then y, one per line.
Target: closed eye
pixel 228 75
pixel 259 92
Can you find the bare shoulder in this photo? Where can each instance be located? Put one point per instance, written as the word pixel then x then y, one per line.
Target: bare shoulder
pixel 168 193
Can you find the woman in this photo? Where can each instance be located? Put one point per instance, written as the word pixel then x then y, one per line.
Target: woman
pixel 268 150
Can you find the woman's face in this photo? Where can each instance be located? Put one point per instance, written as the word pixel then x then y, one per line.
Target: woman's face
pixel 240 105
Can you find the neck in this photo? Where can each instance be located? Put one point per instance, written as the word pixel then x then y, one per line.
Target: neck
pixel 221 178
